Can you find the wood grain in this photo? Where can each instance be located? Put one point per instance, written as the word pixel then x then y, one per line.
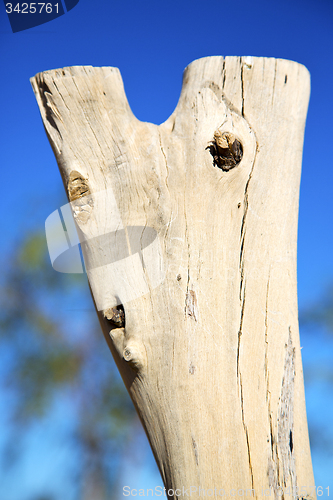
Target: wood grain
pixel 211 355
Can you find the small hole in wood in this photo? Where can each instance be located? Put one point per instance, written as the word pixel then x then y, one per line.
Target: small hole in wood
pixel 115 316
pixel 291 445
pixel 226 150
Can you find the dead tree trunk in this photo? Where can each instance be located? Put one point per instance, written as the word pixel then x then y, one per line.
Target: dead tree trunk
pixel 188 231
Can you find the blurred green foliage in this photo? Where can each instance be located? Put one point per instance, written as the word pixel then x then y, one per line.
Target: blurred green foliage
pixel 53 350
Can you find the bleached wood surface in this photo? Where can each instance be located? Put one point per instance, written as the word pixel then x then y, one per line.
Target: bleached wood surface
pixel 211 355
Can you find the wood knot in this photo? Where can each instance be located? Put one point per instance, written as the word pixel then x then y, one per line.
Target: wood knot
pixel 115 316
pixel 191 305
pixel 127 355
pixel 79 195
pixel 226 150
pixel 77 186
pixel 134 355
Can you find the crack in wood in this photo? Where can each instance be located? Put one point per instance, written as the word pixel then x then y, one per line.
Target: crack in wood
pixel 179 368
pixel 191 305
pixel 282 467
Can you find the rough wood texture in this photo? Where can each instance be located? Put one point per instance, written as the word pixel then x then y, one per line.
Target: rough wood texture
pixel 211 356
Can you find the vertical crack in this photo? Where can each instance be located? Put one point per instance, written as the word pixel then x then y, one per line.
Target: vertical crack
pixel 223 75
pixel 246 433
pixel 195 449
pixel 286 418
pixel 242 84
pixel 243 229
pixel 240 331
pixel 282 467
pixel 191 304
pixel 242 236
pixel 266 336
pixel 273 466
pixel 165 159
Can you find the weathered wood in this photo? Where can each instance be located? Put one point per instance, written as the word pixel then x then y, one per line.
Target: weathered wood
pixel 210 351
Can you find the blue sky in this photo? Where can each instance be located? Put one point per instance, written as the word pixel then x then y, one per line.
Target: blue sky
pixel 151 42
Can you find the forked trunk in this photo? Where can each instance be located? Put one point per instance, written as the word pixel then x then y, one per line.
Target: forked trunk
pixel 188 231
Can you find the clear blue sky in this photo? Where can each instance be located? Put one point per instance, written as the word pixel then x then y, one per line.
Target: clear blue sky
pixel 151 42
